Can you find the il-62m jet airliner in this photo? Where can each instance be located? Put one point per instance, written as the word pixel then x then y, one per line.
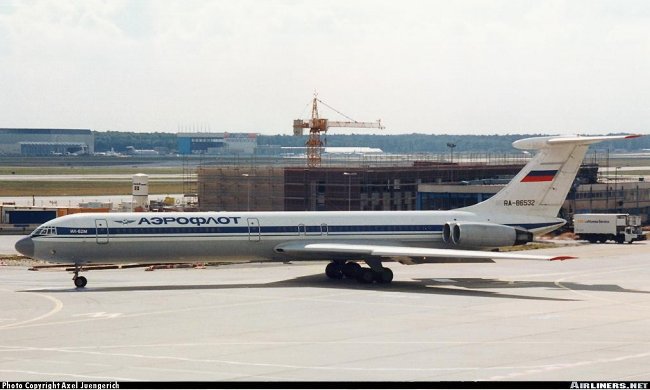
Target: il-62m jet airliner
pixel 526 207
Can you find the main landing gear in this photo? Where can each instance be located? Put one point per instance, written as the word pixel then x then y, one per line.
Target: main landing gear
pixel 79 281
pixel 352 270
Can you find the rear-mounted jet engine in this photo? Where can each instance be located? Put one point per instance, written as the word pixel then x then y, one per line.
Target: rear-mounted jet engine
pixel 481 234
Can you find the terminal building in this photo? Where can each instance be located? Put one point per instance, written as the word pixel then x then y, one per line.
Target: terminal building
pixel 46 142
pixel 607 196
pixel 216 143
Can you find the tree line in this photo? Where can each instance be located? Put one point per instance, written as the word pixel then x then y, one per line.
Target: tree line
pixel 399 143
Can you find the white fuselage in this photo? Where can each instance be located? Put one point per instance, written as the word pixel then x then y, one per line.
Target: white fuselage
pixel 243 236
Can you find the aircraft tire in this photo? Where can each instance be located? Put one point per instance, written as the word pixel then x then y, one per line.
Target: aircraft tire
pixel 384 276
pixel 351 269
pixel 80 282
pixel 366 276
pixel 334 271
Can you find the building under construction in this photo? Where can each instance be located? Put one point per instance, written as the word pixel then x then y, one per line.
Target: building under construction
pixel 381 183
pixel 334 188
pixel 240 188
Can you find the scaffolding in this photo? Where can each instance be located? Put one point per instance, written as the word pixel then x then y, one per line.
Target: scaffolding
pixel 241 188
pixel 354 182
pixel 190 185
pixel 281 188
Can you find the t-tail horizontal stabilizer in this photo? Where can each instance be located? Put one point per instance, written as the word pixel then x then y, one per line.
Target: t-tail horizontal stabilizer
pixel 541 187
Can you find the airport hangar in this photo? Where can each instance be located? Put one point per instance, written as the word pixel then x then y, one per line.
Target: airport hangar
pixel 216 143
pixel 45 142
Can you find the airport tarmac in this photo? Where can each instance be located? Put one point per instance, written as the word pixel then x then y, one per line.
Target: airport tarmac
pixel 7 244
pixel 583 319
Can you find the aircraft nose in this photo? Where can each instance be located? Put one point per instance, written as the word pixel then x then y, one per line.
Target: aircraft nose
pixel 25 246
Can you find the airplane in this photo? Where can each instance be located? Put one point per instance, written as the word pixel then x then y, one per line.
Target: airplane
pixel 525 208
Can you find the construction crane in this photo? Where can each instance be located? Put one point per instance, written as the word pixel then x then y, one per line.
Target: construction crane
pixel 317 125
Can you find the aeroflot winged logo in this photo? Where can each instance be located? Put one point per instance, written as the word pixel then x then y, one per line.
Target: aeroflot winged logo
pixel 536 176
pixel 125 221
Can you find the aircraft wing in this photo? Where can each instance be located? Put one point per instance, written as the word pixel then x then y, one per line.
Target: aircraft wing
pixel 400 253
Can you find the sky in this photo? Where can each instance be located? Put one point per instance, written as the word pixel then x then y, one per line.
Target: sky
pixel 434 67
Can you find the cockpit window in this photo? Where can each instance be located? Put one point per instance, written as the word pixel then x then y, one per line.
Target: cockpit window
pixel 44 231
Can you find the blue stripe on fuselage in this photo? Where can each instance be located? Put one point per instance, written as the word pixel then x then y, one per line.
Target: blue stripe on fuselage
pixel 270 230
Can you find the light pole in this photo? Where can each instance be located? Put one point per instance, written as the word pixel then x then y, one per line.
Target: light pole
pixel 248 197
pixel 616 188
pixel 451 147
pixel 349 175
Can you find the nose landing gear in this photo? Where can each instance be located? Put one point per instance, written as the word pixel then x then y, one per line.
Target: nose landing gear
pixel 79 281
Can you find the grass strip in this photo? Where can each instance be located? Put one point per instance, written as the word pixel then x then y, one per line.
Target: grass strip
pixel 83 188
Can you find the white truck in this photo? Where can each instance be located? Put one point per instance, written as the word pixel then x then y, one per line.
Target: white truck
pixel 602 227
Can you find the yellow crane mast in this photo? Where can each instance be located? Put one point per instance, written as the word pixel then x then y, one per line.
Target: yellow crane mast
pixel 317 125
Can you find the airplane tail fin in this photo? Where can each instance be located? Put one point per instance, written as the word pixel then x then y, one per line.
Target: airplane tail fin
pixel 541 187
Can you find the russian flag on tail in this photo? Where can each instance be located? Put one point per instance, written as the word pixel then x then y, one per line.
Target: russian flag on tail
pixel 536 176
